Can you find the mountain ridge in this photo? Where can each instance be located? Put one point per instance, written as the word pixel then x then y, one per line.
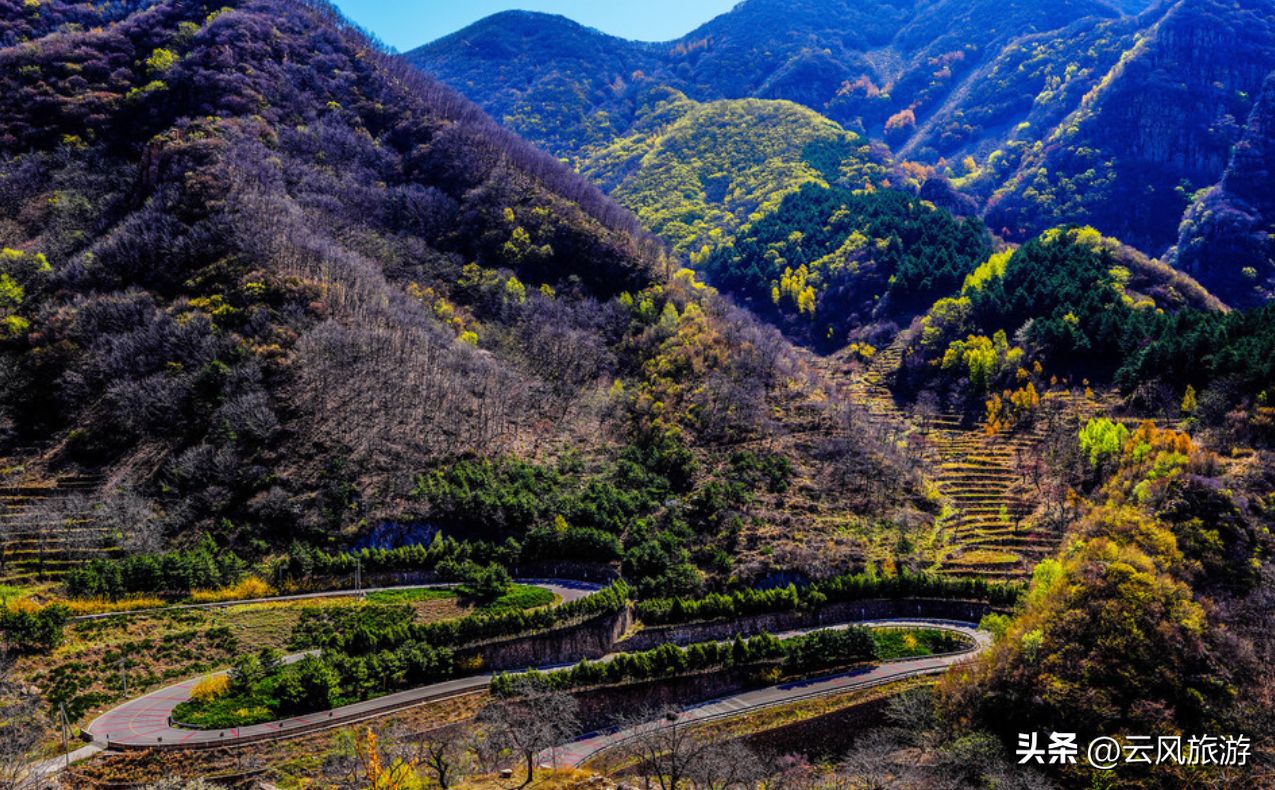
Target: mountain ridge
pixel 1115 116
pixel 263 282
pixel 736 55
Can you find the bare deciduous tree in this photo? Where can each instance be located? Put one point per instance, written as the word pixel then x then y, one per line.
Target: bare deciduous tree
pixel 448 753
pixel 665 748
pixel 20 731
pixel 927 409
pixel 874 764
pixel 129 518
pixel 728 765
pixel 59 526
pixel 531 721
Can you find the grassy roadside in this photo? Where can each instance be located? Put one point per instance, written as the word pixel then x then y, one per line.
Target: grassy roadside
pixel 156 648
pixel 757 723
pixel 216 704
pixel 317 760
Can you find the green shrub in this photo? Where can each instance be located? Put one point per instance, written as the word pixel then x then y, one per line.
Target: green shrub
pixel 851 587
pixel 27 629
pixel 483 583
pixel 170 573
pixel 810 652
pixel 308 685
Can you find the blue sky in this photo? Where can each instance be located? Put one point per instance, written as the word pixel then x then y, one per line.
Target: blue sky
pixel 404 24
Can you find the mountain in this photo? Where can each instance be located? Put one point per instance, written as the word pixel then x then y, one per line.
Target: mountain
pixel 1080 305
pixel 694 172
pixel 830 262
pixel 278 309
pixel 1227 237
pixel 264 282
pixel 1158 126
pixel 1110 115
pixel 552 80
pixel 870 66
pixel 1020 95
pixel 207 214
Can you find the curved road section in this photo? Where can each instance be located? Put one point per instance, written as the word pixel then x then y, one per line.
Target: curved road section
pixel 581 751
pixel 144 722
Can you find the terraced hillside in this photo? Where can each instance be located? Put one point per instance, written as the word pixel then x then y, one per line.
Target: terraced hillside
pixel 820 521
pixel 45 527
pixel 984 527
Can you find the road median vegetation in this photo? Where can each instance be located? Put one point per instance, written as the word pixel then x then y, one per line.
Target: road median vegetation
pixel 838 589
pixel 768 658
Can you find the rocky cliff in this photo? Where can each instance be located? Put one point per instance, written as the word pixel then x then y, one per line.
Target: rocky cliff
pixel 1226 240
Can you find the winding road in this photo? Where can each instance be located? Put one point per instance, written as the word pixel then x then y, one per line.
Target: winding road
pixel 582 750
pixel 143 722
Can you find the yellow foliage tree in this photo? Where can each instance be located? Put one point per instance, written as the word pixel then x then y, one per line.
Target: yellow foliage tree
pixel 398 775
pixel 1189 401
pixel 798 287
pixel 210 688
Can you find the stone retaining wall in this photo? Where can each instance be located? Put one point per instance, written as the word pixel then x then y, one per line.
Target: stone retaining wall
pixel 778 622
pixel 825 737
pixel 590 639
pixel 606 706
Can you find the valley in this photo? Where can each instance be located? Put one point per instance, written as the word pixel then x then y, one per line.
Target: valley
pixel 838 396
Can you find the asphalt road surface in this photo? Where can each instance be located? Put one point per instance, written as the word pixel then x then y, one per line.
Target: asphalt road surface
pixel 580 751
pixel 145 721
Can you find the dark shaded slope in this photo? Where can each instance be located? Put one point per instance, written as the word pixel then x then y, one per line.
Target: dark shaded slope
pixel 860 63
pixel 230 236
pixel 1226 239
pixel 1158 127
pixel 552 80
pixel 263 282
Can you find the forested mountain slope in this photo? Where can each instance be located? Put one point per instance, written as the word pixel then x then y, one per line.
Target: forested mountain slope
pixel 1111 115
pixel 1158 127
pixel 861 64
pixel 695 172
pixel 273 284
pixel 556 82
pixel 1227 237
pixel 831 262
pixel 213 218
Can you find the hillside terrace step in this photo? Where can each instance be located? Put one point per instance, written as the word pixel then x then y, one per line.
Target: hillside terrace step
pixel 1008 566
pixel 1012 540
pixel 991 510
pixel 33 546
pixel 1006 477
pixel 1036 534
pixel 991 476
pixel 990 574
pixel 973 492
pixel 972 463
pixel 1000 454
pixel 48 565
pixel 987 526
pixel 1032 553
pixel 985 465
pixel 38 533
pixel 968 535
pixel 974 484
